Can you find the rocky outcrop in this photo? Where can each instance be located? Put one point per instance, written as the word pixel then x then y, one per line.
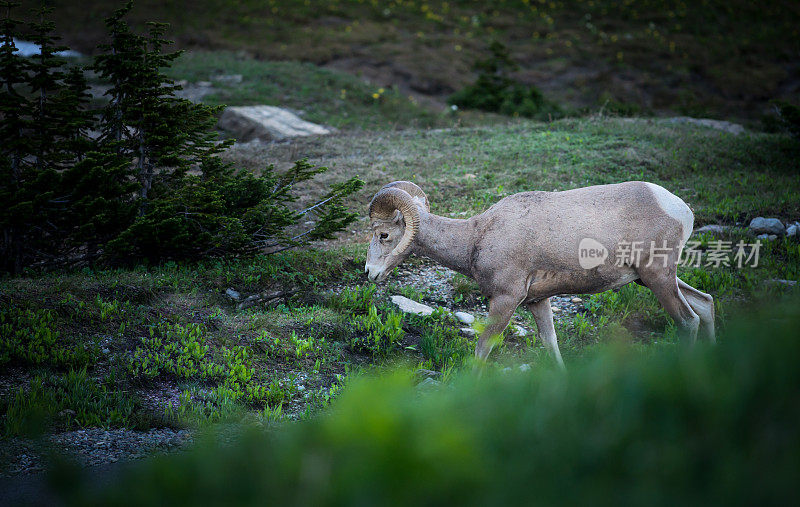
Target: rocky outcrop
pixel 267 123
pixel 464 317
pixel 761 225
pixel 411 306
pixel 724 126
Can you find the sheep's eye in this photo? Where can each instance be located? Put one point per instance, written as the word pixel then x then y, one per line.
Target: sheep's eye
pixel 384 235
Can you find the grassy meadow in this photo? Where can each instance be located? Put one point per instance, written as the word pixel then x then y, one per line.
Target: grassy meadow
pixel 91 333
pixel 153 346
pixel 714 427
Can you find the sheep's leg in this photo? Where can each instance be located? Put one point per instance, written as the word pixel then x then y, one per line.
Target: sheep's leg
pixel 703 306
pixel 665 286
pixel 543 315
pixel 501 309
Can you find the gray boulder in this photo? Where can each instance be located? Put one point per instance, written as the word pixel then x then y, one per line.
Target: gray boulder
pixel 411 306
pixel 761 225
pixel 724 126
pixel 464 317
pixel 266 123
pixel 519 330
pixel 713 229
pixel 779 281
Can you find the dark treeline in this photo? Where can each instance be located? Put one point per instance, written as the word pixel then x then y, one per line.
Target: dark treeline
pixel 138 178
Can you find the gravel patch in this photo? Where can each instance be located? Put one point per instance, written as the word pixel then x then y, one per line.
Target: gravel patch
pixel 435 283
pixel 90 447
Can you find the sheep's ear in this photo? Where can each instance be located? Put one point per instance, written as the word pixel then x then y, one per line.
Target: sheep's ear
pixel 398 217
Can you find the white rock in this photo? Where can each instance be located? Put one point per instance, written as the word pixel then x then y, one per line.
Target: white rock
pixel 555 309
pixel 233 294
pixel 792 230
pixel 767 237
pixel 577 300
pixel 725 126
pixel 228 78
pixel 429 383
pixel 778 281
pixel 468 331
pixel 712 229
pixel 266 123
pixel 464 317
pixel 761 225
pixel 411 306
pixel 519 330
pixel 524 367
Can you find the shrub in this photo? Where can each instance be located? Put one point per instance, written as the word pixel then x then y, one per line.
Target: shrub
pixel 790 118
pixel 377 335
pixel 441 344
pixel 175 350
pixel 496 91
pixel 31 336
pixel 708 426
pixel 180 351
pixel 354 301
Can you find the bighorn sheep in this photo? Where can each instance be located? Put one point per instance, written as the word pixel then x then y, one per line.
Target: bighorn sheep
pixel 534 245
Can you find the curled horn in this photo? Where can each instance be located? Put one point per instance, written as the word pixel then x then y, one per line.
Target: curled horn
pixel 413 190
pixel 383 205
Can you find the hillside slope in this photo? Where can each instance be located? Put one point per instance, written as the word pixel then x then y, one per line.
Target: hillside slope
pixel 715 58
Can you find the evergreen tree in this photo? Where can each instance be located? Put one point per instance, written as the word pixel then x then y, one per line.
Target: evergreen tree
pixel 71 106
pixel 152 186
pixel 495 89
pixel 223 212
pixel 14 107
pixel 144 119
pixel 14 142
pixel 100 204
pixel 45 80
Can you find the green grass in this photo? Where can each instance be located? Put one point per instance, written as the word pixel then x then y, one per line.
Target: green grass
pixel 173 323
pixel 656 426
pixel 71 401
pixel 79 346
pixel 724 178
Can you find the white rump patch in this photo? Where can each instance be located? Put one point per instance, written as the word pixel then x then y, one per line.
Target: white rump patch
pixel 674 206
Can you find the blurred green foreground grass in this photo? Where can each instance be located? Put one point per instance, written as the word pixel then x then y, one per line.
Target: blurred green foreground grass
pixel 657 426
